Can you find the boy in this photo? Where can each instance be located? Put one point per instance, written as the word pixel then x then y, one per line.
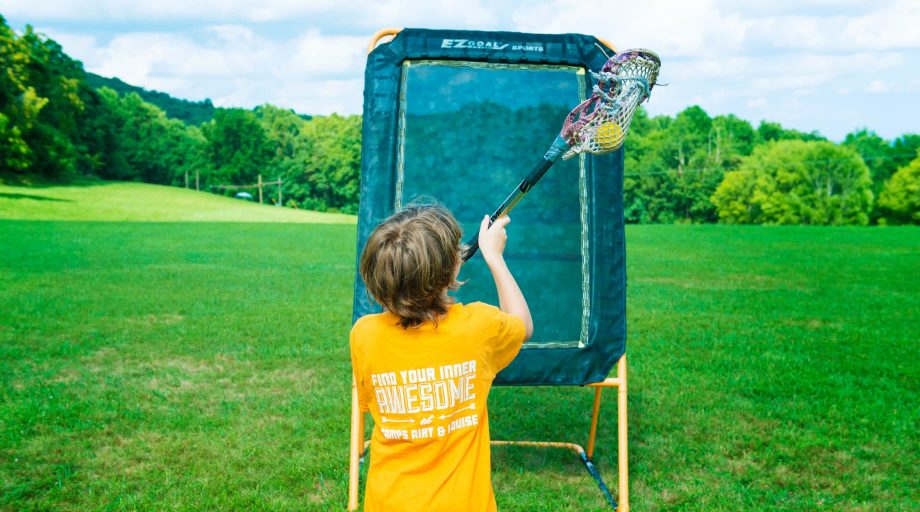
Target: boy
pixel 425 365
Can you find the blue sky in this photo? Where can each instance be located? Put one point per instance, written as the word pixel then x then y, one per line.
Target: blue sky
pixel 826 65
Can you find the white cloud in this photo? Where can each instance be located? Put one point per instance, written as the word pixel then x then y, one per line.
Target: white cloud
pixel 361 13
pixel 815 7
pixel 761 57
pixel 76 45
pixel 161 10
pixel 139 57
pixel 687 29
pixel 811 70
pixel 232 33
pixel 324 97
pixel 888 27
pixel 891 26
pixel 712 28
pixel 472 14
pixel 312 73
pixel 877 86
pixel 326 56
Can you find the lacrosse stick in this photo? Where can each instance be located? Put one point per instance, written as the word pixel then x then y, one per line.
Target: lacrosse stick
pixel 596 126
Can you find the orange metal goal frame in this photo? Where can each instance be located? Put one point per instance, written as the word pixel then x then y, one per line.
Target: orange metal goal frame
pixel 359 445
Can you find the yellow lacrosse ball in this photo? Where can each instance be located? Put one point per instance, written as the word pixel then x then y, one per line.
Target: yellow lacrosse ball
pixel 609 135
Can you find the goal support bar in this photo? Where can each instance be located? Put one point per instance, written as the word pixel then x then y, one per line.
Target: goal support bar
pixel 358 444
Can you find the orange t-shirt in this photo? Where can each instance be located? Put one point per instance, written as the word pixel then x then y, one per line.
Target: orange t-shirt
pixel 426 388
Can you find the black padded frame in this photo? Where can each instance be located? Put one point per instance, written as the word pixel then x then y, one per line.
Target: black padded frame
pixel 607 319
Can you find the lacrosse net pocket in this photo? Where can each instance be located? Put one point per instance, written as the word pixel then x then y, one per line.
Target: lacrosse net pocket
pixel 600 124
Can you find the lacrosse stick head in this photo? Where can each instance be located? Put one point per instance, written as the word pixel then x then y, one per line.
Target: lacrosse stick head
pixel 600 124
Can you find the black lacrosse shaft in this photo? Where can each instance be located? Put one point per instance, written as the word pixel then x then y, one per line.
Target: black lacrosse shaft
pixel 510 202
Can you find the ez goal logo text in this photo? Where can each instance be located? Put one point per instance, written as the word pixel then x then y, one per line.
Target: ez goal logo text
pixel 490 45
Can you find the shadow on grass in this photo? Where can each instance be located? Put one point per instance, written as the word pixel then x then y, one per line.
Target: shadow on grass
pixel 37 181
pixel 33 197
pixel 560 414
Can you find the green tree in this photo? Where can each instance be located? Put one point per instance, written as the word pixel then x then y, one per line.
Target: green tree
pixel 674 166
pixel 18 106
pixel 238 150
pixel 769 131
pixel 644 167
pixel 797 182
pixel 284 129
pixel 904 149
pixel 190 112
pixel 899 202
pixel 876 152
pixel 666 166
pixel 41 105
pixel 56 93
pixel 730 139
pixel 291 150
pixel 101 136
pixel 141 143
pixel 334 163
pixel 191 153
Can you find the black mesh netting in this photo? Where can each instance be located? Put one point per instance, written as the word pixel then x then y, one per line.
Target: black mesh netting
pixel 463 127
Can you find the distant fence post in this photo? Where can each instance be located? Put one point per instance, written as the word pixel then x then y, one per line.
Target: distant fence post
pixel 196 180
pixel 260 185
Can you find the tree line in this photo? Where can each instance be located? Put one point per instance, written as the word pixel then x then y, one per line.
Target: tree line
pixel 697 168
pixel 189 112
pixel 61 123
pixel 56 125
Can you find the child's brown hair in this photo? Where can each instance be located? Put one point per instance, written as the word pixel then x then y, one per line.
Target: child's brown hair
pixel 410 261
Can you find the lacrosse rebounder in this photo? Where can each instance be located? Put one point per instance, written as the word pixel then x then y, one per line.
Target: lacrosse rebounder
pixel 456 116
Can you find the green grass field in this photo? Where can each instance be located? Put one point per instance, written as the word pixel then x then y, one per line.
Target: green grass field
pixel 140 202
pixel 158 362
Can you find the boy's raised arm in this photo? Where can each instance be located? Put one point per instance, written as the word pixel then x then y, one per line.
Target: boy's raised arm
pixel 492 241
